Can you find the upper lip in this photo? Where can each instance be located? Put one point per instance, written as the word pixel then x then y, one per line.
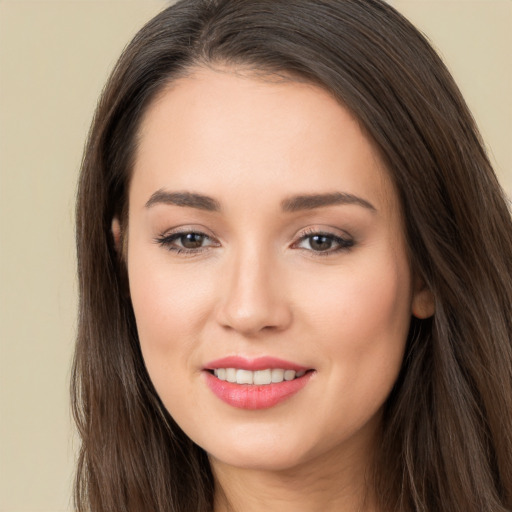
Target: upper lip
pixel 258 363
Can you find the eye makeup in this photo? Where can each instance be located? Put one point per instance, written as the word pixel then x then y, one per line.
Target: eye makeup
pixel 191 241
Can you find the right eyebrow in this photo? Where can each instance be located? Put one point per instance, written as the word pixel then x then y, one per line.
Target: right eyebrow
pixel 186 199
pixel 313 201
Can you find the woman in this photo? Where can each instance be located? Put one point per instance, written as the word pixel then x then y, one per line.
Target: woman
pixel 295 271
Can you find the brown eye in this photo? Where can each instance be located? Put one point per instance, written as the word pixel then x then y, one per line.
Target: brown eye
pixel 324 243
pixel 320 242
pixel 192 240
pixel 186 242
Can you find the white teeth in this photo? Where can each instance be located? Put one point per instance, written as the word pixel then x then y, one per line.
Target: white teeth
pixel 244 377
pixel 262 377
pixel 259 377
pixel 231 374
pixel 221 373
pixel 277 375
pixel 289 375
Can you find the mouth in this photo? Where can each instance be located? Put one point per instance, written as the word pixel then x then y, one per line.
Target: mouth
pixel 259 377
pixel 255 384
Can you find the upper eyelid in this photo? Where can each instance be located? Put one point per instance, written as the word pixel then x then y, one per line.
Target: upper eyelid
pixel 329 231
pixel 183 230
pixel 324 234
pixel 344 240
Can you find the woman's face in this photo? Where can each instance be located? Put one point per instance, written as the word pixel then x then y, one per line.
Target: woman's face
pixel 265 241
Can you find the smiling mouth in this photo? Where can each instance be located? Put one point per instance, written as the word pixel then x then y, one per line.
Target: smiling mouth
pixel 258 377
pixel 255 383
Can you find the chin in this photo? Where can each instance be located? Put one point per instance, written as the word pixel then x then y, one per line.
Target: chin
pixel 269 451
pixel 256 460
pixel 263 451
pixel 274 449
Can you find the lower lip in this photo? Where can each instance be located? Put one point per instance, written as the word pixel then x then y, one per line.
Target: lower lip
pixel 252 397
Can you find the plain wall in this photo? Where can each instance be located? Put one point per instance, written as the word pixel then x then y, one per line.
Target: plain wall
pixel 54 59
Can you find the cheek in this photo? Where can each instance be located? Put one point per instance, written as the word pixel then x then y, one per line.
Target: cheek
pixel 378 308
pixel 362 322
pixel 370 300
pixel 171 307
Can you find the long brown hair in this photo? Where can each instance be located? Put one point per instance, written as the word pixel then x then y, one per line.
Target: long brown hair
pixel 447 430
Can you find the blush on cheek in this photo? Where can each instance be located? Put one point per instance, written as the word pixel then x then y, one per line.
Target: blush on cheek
pixel 168 314
pixel 370 321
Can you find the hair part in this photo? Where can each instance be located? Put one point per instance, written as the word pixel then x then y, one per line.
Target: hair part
pixel 447 430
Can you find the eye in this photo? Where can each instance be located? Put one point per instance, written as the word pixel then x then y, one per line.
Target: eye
pixel 191 240
pixel 323 243
pixel 186 241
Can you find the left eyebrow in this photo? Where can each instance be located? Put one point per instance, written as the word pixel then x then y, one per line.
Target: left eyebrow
pixel 312 201
pixel 185 199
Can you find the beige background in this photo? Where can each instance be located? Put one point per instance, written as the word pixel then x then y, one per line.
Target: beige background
pixel 54 58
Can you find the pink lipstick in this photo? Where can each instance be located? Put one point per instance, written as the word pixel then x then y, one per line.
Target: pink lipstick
pixel 255 383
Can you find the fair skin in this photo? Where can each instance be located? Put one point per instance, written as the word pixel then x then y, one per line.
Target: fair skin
pixel 253 272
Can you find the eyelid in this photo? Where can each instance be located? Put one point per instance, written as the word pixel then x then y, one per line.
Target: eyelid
pixel 345 241
pixel 167 238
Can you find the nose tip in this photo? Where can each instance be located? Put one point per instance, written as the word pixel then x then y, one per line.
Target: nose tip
pixel 255 301
pixel 251 321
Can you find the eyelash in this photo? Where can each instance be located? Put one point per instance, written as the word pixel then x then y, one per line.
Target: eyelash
pixel 168 242
pixel 344 244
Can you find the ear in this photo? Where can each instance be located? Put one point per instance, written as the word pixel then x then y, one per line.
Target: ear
pixel 116 233
pixel 423 302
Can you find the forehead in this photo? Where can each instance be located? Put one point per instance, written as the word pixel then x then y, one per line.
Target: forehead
pixel 216 129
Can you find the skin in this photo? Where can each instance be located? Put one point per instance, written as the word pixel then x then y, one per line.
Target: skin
pixel 258 286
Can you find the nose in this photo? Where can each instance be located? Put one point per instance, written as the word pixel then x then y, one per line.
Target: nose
pixel 254 299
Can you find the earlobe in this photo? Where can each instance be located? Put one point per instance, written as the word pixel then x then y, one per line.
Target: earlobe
pixel 423 302
pixel 116 234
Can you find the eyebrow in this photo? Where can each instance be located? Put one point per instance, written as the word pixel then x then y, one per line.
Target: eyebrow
pixel 186 199
pixel 312 201
pixel 291 204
